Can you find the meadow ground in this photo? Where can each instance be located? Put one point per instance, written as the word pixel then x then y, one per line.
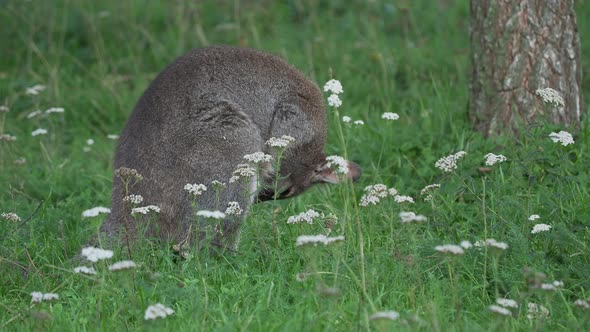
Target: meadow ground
pixel 95 58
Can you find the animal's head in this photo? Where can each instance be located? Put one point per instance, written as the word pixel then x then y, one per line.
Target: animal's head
pixel 305 171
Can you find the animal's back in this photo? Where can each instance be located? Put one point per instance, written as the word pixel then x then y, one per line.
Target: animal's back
pixel 197 120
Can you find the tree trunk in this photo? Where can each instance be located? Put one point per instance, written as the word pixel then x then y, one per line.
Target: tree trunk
pixel 517 47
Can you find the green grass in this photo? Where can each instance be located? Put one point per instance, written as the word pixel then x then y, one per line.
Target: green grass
pixel 408 57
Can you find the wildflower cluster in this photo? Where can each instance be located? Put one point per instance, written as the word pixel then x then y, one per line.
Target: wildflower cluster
pixel 95 211
pixel 453 248
pixel 492 243
pixel 145 209
pixel 10 216
pixel 317 239
pixel 562 137
pixel 335 87
pixel 538 228
pixel 407 217
pixel 307 216
pixel 373 194
pixel 279 142
pixel 242 171
pixel 157 310
pixel 492 159
pixel 258 157
pixel 35 89
pixel 338 164
pixel 536 311
pixel 449 163
pixel 39 131
pixel 37 297
pixel 133 199
pixel 233 209
pixel 126 174
pixel 389 315
pixel 390 116
pixel 211 214
pixel 7 138
pixel 94 254
pixel 427 191
pixel 122 265
pixel 195 189
pixel 550 96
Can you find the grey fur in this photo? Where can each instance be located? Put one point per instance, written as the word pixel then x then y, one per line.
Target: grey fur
pixel 197 120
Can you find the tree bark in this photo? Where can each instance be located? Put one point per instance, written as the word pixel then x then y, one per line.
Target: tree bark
pixel 517 47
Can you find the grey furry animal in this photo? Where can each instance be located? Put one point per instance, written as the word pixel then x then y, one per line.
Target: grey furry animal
pixel 195 123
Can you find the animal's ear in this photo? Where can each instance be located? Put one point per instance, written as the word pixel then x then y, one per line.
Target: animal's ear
pixel 290 119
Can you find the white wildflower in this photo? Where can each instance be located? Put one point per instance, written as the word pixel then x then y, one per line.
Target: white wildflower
pixel 466 244
pixel 157 310
pixel 346 119
pixel 95 254
pixel 10 216
pixel 340 163
pixel 334 101
pixel 113 137
pixel 403 199
pixel 211 214
pixel 538 228
pixel 392 192
pixel 33 114
pixel 427 191
pixel 145 209
pixel 37 297
pixel 258 157
pixel 495 244
pixel 555 285
pixel 317 239
pixel 550 96
pixel 233 209
pixel 390 116
pixel 89 141
pixel 133 199
pixel 536 311
pixel 499 310
pixel 450 249
pixel 39 131
pixel 54 110
pixel 449 163
pixel 507 303
pixel 373 194
pixel 4 109
pixel 410 217
pixel 35 89
pixel 279 142
pixel 122 265
pixel 333 86
pixel 584 304
pixel 84 270
pixel 391 315
pixel 562 137
pixel 359 122
pixel 7 138
pixel 429 188
pixel 534 217
pixel 195 189
pixel 95 211
pixel 307 216
pixel 242 171
pixel 492 159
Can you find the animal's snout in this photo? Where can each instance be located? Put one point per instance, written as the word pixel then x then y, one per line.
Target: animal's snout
pixel 354 171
